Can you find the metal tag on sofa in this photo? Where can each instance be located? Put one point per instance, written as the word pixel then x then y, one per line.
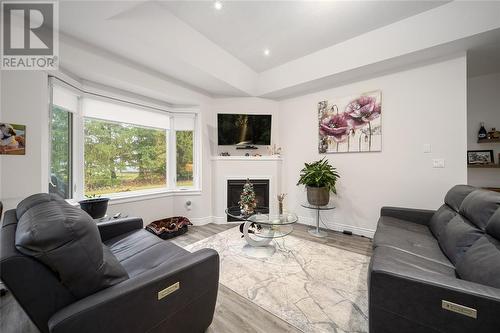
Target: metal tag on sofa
pixel 463 310
pixel 167 291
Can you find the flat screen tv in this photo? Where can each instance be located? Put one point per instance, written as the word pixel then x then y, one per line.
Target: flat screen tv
pixel 243 129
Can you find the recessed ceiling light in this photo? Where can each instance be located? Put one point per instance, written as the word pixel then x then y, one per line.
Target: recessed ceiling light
pixel 218 5
pixel 267 52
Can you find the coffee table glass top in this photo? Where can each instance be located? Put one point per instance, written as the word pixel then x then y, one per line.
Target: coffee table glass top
pixel 235 212
pixel 269 219
pixel 264 225
pixel 329 206
pixel 262 216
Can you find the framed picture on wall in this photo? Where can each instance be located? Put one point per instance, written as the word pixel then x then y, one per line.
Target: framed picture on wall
pixel 12 139
pixel 350 124
pixel 475 157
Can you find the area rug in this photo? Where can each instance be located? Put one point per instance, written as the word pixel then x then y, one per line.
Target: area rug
pixel 314 287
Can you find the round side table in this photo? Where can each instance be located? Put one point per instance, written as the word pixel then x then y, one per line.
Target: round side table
pixel 315 231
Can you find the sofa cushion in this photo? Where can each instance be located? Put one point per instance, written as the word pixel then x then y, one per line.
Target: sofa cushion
pixel 409 237
pixel 440 219
pixel 456 238
pixel 393 260
pixel 481 263
pixel 140 251
pixel 456 196
pixel 479 206
pixel 493 227
pixel 67 240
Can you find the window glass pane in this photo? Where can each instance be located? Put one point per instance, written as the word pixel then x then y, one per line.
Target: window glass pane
pixel 122 157
pixel 60 158
pixel 184 141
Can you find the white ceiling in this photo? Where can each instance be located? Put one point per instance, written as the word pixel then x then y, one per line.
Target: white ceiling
pixel 220 53
pixel 290 29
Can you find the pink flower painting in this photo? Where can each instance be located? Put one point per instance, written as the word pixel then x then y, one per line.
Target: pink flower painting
pixel 351 124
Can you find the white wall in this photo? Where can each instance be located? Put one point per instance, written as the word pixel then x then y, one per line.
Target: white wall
pixel 421 105
pixel 24 100
pixel 483 93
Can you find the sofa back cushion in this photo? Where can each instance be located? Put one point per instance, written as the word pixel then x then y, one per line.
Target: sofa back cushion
pixel 67 240
pixel 446 212
pixel 440 219
pixel 493 228
pixel 457 237
pixel 456 196
pixel 479 206
pixel 481 262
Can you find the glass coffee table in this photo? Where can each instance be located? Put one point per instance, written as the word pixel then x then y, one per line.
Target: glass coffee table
pixel 260 228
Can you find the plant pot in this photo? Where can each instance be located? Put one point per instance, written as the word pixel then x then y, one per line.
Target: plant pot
pixel 318 196
pixel 96 208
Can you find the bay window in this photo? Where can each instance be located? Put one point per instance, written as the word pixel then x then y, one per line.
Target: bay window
pixel 106 146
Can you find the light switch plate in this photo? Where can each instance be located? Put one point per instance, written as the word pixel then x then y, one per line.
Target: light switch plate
pixel 438 163
pixel 427 148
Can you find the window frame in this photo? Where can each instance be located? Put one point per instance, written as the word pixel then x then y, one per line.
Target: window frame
pixel 70 147
pixel 78 144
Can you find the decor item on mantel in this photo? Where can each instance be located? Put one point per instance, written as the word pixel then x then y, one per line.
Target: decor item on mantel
pixel 320 178
pixel 247 202
pixel 351 124
pixel 274 150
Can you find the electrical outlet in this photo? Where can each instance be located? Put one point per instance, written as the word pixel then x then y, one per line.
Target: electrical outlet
pixel 438 163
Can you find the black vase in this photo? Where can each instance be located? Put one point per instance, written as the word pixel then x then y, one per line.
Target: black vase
pixel 96 208
pixel 482 132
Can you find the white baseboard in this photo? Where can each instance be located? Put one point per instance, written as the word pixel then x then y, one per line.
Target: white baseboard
pixel 208 219
pixel 302 219
pixel 338 227
pixel 200 220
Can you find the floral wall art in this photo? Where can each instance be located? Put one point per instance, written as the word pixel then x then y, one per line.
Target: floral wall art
pixel 351 124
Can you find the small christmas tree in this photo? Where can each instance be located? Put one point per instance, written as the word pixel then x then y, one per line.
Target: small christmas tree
pixel 247 202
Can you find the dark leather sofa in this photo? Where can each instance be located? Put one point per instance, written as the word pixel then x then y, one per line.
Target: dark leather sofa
pixel 438 271
pixel 70 275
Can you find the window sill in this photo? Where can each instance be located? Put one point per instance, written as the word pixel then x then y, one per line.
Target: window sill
pixel 116 199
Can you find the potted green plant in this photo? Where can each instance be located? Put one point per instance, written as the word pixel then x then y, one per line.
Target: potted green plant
pixel 320 178
pixel 94 205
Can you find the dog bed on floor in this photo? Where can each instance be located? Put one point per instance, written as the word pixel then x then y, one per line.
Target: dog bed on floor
pixel 169 227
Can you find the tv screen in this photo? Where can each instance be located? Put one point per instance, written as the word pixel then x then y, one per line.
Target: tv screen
pixel 243 129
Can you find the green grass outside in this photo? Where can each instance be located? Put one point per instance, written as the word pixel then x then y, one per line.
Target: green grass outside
pixel 129 183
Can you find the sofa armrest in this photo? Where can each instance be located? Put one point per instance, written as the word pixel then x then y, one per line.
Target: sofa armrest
pixel 416 300
pixel 420 216
pixel 113 228
pixel 135 305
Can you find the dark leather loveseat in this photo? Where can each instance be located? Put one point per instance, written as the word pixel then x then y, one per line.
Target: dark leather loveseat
pixel 438 271
pixel 70 275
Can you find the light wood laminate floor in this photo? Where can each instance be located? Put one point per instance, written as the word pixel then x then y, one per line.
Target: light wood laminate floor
pixel 233 312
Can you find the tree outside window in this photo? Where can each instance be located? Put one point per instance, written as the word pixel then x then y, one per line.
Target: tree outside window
pixel 123 157
pixel 184 140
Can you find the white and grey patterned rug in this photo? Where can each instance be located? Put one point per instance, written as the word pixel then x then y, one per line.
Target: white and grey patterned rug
pixel 314 287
